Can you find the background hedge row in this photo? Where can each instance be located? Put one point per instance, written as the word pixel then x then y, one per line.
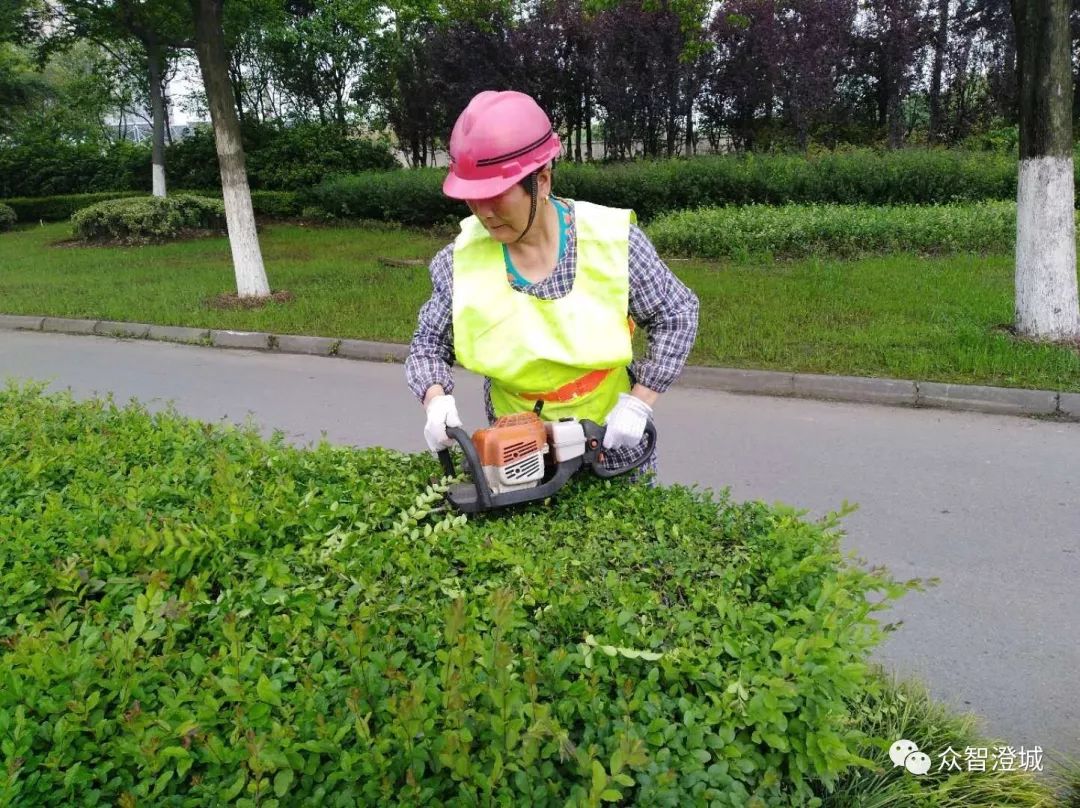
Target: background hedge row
pixel 738 232
pixel 414 197
pixel 278 158
pixel 279 204
pixel 651 188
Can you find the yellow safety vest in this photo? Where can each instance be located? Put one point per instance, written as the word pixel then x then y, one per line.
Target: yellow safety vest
pixel 571 352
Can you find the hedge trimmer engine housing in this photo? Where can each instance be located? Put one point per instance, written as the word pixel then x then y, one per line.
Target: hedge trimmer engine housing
pixel 514 451
pixel 521 458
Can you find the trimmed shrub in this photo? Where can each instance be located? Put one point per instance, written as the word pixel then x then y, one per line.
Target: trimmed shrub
pixel 278 158
pixel 275 204
pixel 410 197
pixel 840 230
pixel 59 208
pixel 49 167
pixel 149 219
pixel 916 176
pixel 7 217
pixel 272 204
pixel 195 615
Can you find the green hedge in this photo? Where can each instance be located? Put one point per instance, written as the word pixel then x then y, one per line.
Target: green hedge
pixel 271 204
pixel 8 217
pixel 278 158
pixel 60 208
pixel 193 615
pixel 149 219
pixel 48 167
pixel 916 176
pixel 839 230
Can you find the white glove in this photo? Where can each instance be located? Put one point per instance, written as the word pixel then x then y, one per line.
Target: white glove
pixel 441 413
pixel 626 422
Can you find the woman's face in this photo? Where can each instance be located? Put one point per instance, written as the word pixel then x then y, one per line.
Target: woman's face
pixel 507 215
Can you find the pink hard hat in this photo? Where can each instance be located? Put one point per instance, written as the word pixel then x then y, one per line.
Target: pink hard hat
pixel 498 140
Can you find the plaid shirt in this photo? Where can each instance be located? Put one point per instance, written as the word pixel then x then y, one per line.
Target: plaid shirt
pixel 659 302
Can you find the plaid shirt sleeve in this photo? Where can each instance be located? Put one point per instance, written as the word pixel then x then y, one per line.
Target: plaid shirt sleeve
pixel 668 311
pixel 431 351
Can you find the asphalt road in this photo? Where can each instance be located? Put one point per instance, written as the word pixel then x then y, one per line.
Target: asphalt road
pixel 988 504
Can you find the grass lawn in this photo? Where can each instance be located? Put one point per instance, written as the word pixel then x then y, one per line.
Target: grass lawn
pixel 902 316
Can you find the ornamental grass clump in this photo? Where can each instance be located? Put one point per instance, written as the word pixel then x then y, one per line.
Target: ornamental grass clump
pixel 149 219
pixel 195 615
pixel 7 217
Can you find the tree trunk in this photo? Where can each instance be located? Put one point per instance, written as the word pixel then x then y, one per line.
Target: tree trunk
pixel 236 80
pixel 588 124
pixel 156 59
pixel 940 44
pixel 577 131
pixel 893 115
pixel 239 215
pixel 1046 286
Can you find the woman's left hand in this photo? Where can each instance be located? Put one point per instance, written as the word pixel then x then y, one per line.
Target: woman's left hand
pixel 626 422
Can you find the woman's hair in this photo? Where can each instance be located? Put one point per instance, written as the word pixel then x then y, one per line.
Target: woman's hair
pixel 530 185
pixel 528 181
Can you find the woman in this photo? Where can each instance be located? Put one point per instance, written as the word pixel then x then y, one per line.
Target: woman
pixel 541 294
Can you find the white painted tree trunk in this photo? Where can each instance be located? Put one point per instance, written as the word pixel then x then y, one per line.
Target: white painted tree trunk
pixel 239 215
pixel 243 239
pixel 1046 285
pixel 159 179
pixel 156 60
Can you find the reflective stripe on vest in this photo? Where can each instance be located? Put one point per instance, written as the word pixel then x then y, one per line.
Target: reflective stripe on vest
pixel 533 348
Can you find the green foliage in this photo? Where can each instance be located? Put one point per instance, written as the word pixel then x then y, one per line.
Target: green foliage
pixel 47 167
pixel 835 230
pixel 61 207
pixel 279 158
pixel 890 711
pixel 7 217
pixel 194 615
pixel 140 220
pixel 276 204
pixel 272 204
pixel 410 196
pixel 912 177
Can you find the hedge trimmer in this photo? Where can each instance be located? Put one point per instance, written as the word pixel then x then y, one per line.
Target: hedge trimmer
pixel 521 458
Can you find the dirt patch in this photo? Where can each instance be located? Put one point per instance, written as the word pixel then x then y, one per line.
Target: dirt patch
pixel 230 301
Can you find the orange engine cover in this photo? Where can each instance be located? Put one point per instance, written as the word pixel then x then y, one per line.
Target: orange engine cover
pixel 510 438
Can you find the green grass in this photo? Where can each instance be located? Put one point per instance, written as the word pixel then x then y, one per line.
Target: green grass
pixel 894 710
pixel 903 316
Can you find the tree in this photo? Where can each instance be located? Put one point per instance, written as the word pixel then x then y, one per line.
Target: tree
pixel 896 32
pixel 813 40
pixel 156 27
pixel 239 215
pixel 1046 285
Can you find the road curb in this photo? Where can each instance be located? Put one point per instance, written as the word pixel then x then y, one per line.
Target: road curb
pixel 857 389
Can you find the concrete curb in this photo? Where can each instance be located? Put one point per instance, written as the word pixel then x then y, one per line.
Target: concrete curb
pixel 894 392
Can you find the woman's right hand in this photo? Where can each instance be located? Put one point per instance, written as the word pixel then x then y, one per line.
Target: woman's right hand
pixel 441 413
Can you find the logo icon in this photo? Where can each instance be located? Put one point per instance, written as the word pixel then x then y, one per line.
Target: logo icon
pixel 906 753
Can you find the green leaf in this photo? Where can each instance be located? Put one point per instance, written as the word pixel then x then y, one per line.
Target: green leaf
pixel 229 794
pixel 266 691
pixel 599 776
pixel 282 780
